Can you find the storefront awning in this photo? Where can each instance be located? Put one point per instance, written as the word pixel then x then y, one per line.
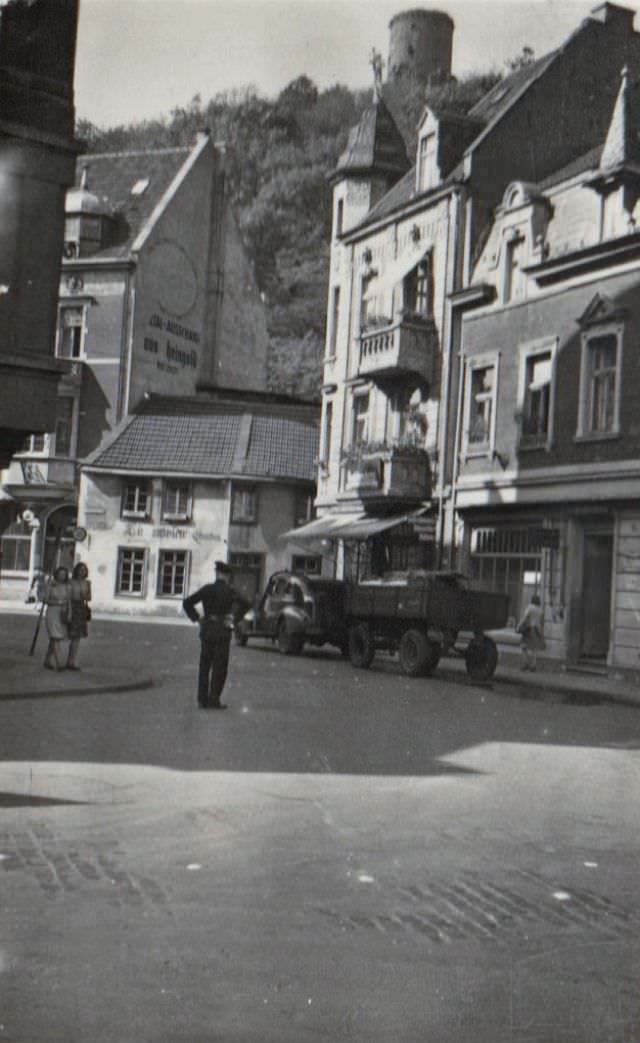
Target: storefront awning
pixel 358 526
pixel 361 528
pixel 321 528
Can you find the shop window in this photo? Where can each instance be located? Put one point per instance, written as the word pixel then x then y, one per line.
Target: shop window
pixel 507 561
pixel 64 426
pixel 173 573
pixel 70 332
pixel 480 407
pixel 136 500
pixel 599 411
pixel 131 571
pixel 306 564
pixel 176 501
pixel 16 546
pixel 244 505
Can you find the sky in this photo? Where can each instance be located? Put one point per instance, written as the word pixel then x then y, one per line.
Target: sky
pixel 137 59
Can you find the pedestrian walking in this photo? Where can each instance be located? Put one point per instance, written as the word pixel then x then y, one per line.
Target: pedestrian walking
pixel 56 599
pixel 79 611
pixel 220 604
pixel 531 630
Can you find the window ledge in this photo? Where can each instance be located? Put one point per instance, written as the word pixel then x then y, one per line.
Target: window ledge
pixel 528 447
pixel 470 454
pixel 136 515
pixel 184 518
pixel 598 436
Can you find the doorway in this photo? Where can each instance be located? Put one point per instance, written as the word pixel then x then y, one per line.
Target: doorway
pixel 596 595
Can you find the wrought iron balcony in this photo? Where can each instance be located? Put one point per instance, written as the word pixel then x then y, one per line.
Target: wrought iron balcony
pixel 407 346
pixel 388 472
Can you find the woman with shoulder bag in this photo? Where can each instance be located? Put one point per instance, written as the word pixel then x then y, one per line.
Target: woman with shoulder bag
pixel 56 598
pixel 80 611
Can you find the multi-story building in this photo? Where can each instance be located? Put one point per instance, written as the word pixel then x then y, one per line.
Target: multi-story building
pixel 156 297
pixel 37 55
pixel 548 464
pixel 187 481
pixel 406 237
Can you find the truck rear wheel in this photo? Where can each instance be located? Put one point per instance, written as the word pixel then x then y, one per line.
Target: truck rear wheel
pixel 414 652
pixel 361 646
pixel 481 658
pixel 288 643
pixel 433 656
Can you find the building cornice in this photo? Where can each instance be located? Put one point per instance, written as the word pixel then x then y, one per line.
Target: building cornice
pixel 600 255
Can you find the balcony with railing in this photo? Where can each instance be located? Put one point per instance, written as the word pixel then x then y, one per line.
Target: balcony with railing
pixel 39 473
pixel 384 472
pixel 407 345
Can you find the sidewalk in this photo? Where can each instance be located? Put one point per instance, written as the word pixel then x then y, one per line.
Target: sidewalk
pixel 23 676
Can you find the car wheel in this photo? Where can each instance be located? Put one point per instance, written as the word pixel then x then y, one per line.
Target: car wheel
pixel 481 658
pixel 361 647
pixel 413 652
pixel 288 643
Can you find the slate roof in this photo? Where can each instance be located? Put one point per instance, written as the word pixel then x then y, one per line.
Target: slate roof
pixel 375 143
pixel 112 175
pixel 218 440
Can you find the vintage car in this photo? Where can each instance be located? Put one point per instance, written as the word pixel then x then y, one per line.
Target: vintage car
pixel 296 610
pixel 422 616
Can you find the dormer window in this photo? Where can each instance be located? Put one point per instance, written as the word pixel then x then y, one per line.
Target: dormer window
pixel 513 256
pixel 428 173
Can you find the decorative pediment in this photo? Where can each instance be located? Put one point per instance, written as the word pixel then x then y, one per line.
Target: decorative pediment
pixel 601 310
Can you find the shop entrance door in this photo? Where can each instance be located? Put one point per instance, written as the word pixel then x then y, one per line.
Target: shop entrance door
pixel 596 595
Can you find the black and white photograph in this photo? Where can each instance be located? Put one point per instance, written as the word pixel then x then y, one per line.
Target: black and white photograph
pixel 319 521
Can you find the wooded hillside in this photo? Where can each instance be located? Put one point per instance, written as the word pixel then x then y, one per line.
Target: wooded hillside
pixel 279 153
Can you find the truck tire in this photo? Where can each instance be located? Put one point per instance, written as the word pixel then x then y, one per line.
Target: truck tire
pixel 413 652
pixel 481 658
pixel 361 647
pixel 240 635
pixel 433 656
pixel 288 643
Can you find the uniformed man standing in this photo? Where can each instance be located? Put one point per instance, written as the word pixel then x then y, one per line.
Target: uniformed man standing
pixel 219 605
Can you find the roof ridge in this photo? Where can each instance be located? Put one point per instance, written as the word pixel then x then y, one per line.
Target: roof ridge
pixel 134 152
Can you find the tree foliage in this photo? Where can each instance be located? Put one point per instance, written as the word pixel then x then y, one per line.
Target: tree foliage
pixel 278 154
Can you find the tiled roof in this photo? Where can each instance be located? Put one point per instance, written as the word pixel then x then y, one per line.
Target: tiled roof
pixel 282 447
pixel 111 177
pixel 232 441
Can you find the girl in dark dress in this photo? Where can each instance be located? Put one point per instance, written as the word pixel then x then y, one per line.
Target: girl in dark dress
pixel 80 613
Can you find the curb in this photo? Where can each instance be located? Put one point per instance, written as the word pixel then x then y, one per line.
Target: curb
pixel 96 689
pixel 546 685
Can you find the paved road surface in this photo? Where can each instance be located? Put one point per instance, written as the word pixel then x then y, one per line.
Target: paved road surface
pixel 341 856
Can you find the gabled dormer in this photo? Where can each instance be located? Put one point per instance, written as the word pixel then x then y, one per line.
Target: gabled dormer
pixel 442 139
pixel 617 180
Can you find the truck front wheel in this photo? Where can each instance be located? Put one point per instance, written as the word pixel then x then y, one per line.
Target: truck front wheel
pixel 361 646
pixel 414 653
pixel 481 658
